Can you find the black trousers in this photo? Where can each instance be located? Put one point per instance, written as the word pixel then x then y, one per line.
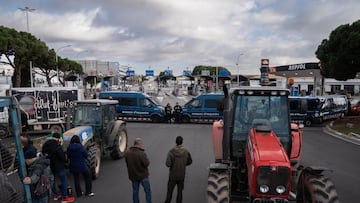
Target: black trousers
pixel 170 189
pixel 87 180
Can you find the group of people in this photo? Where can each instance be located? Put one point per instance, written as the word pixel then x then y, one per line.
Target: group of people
pixel 170 113
pixel 50 162
pixel 137 164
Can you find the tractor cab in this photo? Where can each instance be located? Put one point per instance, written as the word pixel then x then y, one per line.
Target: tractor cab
pixel 264 109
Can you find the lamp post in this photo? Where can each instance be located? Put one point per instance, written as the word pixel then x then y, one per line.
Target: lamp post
pixel 27 10
pixel 56 60
pixel 238 70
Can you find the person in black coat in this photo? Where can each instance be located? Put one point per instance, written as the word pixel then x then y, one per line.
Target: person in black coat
pixel 52 149
pixel 168 113
pixel 77 155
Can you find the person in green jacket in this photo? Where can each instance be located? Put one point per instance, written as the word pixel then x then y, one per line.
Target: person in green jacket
pixel 57 130
pixel 177 160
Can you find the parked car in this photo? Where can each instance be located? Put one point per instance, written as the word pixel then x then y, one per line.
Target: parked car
pixel 355 106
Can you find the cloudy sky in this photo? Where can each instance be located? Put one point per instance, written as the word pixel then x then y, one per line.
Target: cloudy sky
pixel 181 34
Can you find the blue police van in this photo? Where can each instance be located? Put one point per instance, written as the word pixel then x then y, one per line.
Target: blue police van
pixel 309 110
pixel 203 108
pixel 135 106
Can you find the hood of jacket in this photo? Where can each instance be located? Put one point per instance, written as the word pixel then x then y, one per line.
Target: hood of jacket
pixel 178 151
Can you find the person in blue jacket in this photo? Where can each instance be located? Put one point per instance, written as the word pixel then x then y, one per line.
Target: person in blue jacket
pixel 77 155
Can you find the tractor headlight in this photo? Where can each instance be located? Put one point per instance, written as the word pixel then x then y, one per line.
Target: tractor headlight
pixel 264 188
pixel 280 189
pixel 316 114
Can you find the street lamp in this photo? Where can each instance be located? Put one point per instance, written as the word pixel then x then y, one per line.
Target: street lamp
pixel 27 10
pixel 238 70
pixel 56 60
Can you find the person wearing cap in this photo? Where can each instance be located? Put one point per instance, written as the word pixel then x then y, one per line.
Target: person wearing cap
pixel 137 164
pixel 177 159
pixel 37 166
pixel 53 150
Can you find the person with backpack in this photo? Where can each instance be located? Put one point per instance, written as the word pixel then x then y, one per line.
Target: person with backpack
pixel 53 150
pixel 39 176
pixel 77 155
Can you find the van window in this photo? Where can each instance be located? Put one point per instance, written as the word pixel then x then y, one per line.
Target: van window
pixel 144 102
pixel 195 103
pixel 127 101
pixel 210 103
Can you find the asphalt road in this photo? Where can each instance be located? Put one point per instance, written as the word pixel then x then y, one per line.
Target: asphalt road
pixel 319 149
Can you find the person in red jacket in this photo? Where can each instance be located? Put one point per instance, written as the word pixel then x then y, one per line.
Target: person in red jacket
pixel 137 165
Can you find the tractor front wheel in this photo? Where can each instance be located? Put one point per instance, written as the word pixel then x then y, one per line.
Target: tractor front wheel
pixel 218 187
pixel 317 188
pixel 120 144
pixel 93 161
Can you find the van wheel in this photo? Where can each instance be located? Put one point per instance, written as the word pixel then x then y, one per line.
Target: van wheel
pixel 155 119
pixel 308 123
pixel 185 119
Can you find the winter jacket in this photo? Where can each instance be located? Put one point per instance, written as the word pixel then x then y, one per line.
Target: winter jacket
pixel 41 166
pixel 177 160
pixel 54 152
pixel 137 164
pixel 77 155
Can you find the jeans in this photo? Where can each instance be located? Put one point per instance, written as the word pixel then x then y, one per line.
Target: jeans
pixel 44 199
pixel 62 175
pixel 146 185
pixel 170 189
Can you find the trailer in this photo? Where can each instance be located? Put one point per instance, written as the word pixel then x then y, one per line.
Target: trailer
pixel 45 108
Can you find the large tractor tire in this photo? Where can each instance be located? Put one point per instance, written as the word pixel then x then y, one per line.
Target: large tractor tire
pixel 317 188
pixel 218 187
pixel 93 161
pixel 120 144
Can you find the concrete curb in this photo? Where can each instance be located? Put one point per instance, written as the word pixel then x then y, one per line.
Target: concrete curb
pixel 352 137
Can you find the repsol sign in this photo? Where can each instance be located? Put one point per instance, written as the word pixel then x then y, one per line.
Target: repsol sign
pixel 297 67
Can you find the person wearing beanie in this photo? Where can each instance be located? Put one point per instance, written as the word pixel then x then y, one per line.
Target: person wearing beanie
pixel 52 149
pixel 177 160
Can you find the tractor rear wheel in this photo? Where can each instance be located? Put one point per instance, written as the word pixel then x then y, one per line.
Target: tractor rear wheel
pixel 120 144
pixel 93 161
pixel 218 187
pixel 318 189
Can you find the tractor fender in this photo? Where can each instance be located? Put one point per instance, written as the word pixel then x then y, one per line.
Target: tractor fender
pixel 114 130
pixel 296 134
pixel 217 138
pixel 218 166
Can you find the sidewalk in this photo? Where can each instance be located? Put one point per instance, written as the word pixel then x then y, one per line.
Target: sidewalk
pixel 351 137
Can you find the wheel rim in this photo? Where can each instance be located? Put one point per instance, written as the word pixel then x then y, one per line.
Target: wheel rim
pixel 122 141
pixel 98 159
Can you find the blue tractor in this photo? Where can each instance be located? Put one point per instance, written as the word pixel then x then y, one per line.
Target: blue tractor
pixel 96 123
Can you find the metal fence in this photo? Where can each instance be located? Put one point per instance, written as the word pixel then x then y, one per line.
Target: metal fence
pixel 12 163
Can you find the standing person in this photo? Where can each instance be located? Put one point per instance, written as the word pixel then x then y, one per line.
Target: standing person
pixel 37 166
pixel 168 113
pixel 57 130
pixel 177 160
pixel 55 153
pixel 77 155
pixel 177 112
pixel 137 164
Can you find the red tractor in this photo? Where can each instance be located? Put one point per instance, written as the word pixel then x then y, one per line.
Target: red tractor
pixel 257 152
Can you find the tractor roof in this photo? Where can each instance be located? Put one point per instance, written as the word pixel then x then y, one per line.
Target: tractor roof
pixel 264 90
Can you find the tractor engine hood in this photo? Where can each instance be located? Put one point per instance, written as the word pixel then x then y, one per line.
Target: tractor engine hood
pixel 84 132
pixel 269 168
